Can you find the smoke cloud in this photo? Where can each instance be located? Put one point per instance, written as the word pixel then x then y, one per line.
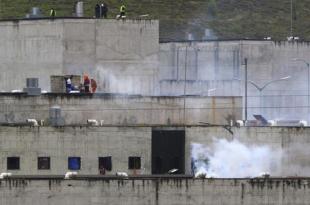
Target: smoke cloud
pixel 233 159
pixel 113 81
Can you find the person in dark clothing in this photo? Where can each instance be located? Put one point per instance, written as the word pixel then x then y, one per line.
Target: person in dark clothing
pixel 122 11
pixel 86 84
pixel 52 12
pixel 97 11
pixel 104 10
pixel 69 86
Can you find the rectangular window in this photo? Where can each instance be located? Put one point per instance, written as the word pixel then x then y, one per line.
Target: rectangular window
pixel 105 163
pixel 74 163
pixel 44 163
pixel 12 163
pixel 134 162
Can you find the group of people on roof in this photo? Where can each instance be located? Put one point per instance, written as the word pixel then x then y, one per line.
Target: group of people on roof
pixel 101 11
pixel 88 85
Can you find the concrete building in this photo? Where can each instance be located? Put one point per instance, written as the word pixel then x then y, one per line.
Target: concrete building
pixel 126 57
pixel 162 108
pixel 157 149
pixel 214 67
pixel 123 128
pixel 121 55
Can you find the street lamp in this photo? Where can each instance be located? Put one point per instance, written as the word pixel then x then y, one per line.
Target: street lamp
pixel 268 83
pixel 308 67
pixel 261 88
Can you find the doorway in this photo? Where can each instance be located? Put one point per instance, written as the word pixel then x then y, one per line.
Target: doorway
pixel 168 151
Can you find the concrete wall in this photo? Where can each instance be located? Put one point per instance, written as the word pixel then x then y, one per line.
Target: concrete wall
pixel 30 49
pixel 122 109
pixel 89 143
pixel 155 191
pixel 126 57
pixel 122 56
pixel 215 65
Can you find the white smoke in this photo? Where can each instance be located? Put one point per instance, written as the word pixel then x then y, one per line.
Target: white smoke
pixel 232 159
pixel 112 81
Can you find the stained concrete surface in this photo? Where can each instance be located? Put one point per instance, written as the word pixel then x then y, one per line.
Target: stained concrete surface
pixel 155 191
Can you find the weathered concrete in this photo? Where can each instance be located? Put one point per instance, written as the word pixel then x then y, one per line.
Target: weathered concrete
pixel 54 191
pixel 89 143
pixel 121 55
pixel 126 57
pixel 122 109
pixel 215 65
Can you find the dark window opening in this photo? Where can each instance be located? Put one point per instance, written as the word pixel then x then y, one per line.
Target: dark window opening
pixel 175 162
pixel 158 164
pixel 134 162
pixel 105 163
pixel 12 163
pixel 44 163
pixel 168 151
pixel 74 163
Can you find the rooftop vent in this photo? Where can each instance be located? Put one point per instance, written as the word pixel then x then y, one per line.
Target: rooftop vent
pixel 35 12
pixel 32 82
pixel 79 9
pixel 32 86
pixel 55 118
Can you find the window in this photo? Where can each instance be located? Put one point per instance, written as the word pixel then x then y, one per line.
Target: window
pixel 134 162
pixel 44 163
pixel 74 163
pixel 106 163
pixel 12 163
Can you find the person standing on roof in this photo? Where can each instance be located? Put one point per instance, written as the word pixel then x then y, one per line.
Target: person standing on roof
pixel 104 10
pixel 93 85
pixel 86 84
pixel 68 84
pixel 122 11
pixel 97 11
pixel 52 12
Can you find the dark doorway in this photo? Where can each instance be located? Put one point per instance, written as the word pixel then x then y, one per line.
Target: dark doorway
pixel 168 150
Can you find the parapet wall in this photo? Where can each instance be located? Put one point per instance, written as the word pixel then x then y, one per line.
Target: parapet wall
pixel 156 191
pixel 112 109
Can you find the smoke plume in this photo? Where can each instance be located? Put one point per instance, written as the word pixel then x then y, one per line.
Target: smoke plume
pixel 232 159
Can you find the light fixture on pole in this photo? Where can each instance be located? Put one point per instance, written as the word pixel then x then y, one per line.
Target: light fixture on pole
pixel 261 88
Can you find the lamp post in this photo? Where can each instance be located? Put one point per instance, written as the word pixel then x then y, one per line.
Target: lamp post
pixel 245 89
pixel 308 67
pixel 261 88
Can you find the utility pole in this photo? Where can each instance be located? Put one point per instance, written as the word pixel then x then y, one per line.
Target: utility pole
pixel 308 77
pixel 246 90
pixel 291 18
pixel 185 78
